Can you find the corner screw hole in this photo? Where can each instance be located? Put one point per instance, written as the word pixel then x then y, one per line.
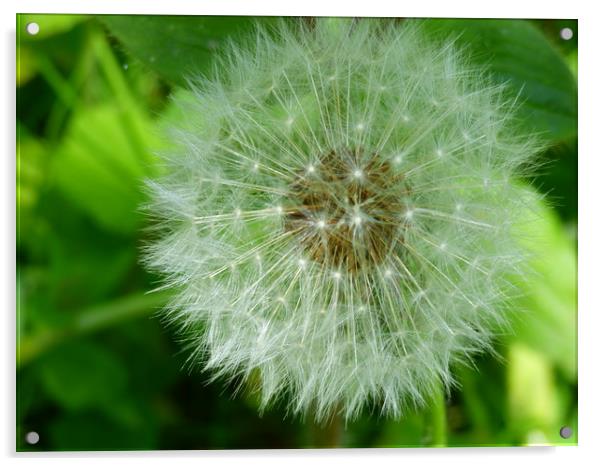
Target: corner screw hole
pixel 566 432
pixel 32 437
pixel 32 28
pixel 566 33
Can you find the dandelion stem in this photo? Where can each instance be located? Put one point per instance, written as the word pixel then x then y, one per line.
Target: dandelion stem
pixel 438 418
pixel 327 434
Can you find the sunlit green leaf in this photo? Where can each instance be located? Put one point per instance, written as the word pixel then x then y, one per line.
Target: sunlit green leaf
pixel 547 317
pixel 100 168
pixel 49 24
pixel 532 402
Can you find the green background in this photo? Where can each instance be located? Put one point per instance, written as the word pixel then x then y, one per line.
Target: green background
pixel 96 367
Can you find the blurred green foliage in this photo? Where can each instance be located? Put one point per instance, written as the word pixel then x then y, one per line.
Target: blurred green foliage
pixel 96 368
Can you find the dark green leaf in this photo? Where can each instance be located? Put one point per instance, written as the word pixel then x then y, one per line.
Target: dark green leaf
pixel 176 46
pixel 82 374
pixel 516 52
pixel 94 431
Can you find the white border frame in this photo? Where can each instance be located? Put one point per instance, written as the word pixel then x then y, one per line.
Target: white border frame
pixel 590 213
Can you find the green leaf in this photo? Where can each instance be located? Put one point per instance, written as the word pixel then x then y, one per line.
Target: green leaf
pixel 91 431
pixel 31 164
pixel 176 47
pixel 82 374
pixel 100 168
pixel 532 402
pixel 50 24
pixel 548 319
pixel 516 52
pixel 409 431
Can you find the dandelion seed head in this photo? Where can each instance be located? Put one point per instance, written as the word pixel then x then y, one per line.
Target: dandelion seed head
pixel 310 253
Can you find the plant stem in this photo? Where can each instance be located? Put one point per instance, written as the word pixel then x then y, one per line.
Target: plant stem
pixel 130 111
pixel 93 319
pixel 327 434
pixel 439 418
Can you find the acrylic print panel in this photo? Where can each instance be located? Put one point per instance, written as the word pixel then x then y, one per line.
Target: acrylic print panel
pixel 240 232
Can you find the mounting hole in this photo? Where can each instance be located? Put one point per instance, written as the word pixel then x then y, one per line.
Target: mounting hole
pixel 32 437
pixel 566 33
pixel 566 432
pixel 32 28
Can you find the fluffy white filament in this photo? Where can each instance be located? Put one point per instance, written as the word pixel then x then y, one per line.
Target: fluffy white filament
pixel 258 297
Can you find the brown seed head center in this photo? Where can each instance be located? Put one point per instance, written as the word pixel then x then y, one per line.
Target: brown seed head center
pixel 347 209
